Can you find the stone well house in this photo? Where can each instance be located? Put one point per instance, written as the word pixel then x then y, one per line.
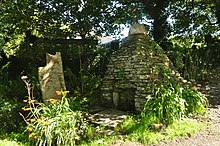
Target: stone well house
pixel 134 70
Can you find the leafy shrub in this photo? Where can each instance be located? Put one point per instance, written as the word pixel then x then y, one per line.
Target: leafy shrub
pixel 195 102
pixel 192 55
pixel 85 87
pixel 54 123
pixel 10 120
pixel 167 105
pixel 173 103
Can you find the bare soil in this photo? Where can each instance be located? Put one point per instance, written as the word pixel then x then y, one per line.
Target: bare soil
pixel 210 136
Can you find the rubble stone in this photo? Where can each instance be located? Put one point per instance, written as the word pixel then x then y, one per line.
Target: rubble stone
pixel 137 66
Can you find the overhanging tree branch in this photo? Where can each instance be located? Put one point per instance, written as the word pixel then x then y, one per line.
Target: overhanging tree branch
pixel 67 41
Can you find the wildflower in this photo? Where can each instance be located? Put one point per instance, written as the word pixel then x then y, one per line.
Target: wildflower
pixel 194 88
pixel 55 100
pixel 33 136
pixel 45 131
pixel 29 101
pixel 26 109
pixel 25 100
pixel 33 120
pixel 30 129
pixel 46 123
pixel 59 93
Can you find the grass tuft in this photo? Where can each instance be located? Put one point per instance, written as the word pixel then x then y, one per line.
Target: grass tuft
pixel 6 142
pixel 143 132
pixel 183 128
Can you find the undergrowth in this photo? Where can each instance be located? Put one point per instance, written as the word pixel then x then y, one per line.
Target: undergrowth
pixel 165 113
pixel 138 130
pixel 10 143
pixel 55 123
pixel 62 122
pixel 173 103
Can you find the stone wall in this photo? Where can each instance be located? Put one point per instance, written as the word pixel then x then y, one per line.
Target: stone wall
pixel 134 70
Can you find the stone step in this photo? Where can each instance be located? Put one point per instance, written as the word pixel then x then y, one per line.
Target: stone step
pixel 107 117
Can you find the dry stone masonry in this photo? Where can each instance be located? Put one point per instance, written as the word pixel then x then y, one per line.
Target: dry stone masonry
pixel 134 70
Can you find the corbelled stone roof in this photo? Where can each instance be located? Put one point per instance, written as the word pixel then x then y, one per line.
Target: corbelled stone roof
pixel 134 70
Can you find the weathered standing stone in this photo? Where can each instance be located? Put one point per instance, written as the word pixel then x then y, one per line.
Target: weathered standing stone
pixel 51 77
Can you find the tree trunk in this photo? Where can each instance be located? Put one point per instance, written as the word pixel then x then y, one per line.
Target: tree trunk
pixel 156 9
pixel 159 28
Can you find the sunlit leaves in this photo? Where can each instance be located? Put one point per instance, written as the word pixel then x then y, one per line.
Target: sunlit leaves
pixel 194 17
pixel 81 17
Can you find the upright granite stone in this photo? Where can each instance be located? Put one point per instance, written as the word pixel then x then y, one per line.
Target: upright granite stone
pixel 51 77
pixel 134 70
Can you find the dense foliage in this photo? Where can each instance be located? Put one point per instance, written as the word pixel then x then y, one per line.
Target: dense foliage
pixel 174 103
pixel 188 31
pixel 56 124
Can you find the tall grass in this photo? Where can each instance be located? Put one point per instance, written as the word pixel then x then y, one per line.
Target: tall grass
pixel 166 106
pixel 173 103
pixel 54 123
